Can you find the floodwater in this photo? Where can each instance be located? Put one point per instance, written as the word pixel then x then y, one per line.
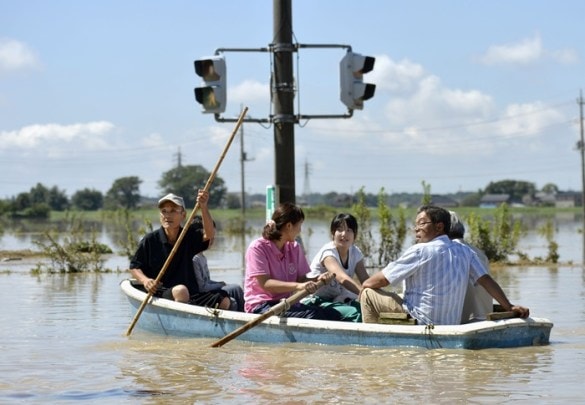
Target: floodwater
pixel 63 341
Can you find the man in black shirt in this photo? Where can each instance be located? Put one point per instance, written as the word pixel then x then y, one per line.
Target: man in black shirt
pixel 178 283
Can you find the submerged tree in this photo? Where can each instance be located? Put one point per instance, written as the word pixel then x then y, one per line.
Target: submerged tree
pixel 426 198
pixel 365 240
pixel 498 238
pixel 392 231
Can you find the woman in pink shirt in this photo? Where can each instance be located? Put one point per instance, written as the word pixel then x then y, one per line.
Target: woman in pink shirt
pixel 276 267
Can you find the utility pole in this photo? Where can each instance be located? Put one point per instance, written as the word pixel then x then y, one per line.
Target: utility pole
pixel 243 160
pixel 307 187
pixel 179 158
pixel 581 147
pixel 283 92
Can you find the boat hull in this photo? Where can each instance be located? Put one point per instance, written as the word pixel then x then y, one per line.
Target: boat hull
pixel 177 319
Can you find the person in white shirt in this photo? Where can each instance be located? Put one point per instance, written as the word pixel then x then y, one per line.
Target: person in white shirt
pixel 345 260
pixel 435 272
pixel 477 303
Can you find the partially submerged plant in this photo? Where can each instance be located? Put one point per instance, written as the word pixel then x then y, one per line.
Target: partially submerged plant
pixel 74 253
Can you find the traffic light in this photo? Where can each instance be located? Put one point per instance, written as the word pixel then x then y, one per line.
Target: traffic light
pixel 212 94
pixel 353 90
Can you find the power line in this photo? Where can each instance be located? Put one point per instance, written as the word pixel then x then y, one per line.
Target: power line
pixel 454 126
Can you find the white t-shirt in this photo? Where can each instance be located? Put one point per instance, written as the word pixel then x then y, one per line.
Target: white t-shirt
pixel 334 291
pixel 478 302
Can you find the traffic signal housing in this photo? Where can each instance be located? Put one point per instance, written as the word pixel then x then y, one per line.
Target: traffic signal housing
pixel 212 94
pixel 353 90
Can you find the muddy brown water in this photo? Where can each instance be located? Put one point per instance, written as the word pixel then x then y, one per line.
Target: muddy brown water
pixel 63 341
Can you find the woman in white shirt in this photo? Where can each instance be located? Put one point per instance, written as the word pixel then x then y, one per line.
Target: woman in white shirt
pixel 343 258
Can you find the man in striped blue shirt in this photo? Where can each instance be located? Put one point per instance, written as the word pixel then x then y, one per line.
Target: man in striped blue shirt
pixel 435 272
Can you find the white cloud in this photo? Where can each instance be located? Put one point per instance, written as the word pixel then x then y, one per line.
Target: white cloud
pixel 38 135
pixel 527 120
pixel 16 55
pixel 523 52
pixel 526 51
pixel 419 99
pixel 249 91
pixel 398 77
pixel 429 117
pixel 430 103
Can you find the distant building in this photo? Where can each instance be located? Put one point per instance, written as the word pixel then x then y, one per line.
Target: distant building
pixel 567 199
pixel 494 200
pixel 542 198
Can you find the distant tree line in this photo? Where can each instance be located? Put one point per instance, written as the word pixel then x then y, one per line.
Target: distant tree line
pixel 518 191
pixel 124 193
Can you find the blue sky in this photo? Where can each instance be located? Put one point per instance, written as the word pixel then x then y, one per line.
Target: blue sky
pixel 467 93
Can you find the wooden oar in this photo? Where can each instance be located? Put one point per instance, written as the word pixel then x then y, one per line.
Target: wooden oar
pixel 494 316
pixel 275 310
pixel 189 220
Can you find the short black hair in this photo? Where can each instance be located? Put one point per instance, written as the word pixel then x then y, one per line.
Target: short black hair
pixel 437 215
pixel 346 219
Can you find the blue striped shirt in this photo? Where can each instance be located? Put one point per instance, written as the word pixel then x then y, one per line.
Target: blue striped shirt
pixel 435 276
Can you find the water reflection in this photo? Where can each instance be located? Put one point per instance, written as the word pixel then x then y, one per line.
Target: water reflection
pixel 247 373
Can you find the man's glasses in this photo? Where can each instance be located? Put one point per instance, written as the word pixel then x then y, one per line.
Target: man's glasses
pixel 420 225
pixel 170 211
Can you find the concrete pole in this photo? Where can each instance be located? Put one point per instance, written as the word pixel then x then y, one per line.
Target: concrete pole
pixel 242 163
pixel 283 99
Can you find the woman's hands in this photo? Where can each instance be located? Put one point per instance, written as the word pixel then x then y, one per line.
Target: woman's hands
pixel 312 286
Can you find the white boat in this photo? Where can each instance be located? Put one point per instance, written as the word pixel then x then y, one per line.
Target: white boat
pixel 178 319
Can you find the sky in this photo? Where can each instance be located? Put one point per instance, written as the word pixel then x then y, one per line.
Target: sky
pixel 466 93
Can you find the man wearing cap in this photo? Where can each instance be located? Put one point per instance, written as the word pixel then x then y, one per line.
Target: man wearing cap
pixel 156 246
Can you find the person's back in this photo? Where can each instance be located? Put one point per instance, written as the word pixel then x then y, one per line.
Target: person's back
pixel 478 302
pixel 205 285
pixel 202 274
